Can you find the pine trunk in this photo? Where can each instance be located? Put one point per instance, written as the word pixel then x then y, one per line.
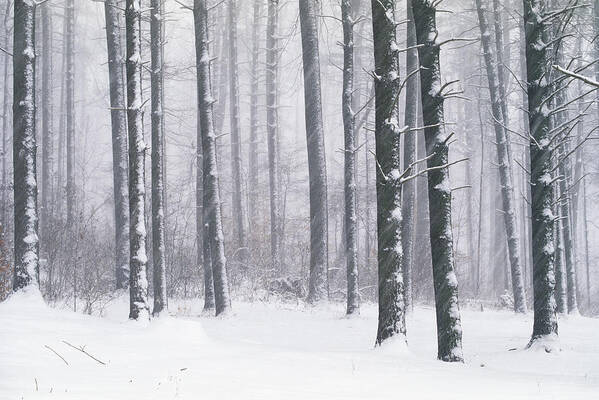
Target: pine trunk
pixel 449 331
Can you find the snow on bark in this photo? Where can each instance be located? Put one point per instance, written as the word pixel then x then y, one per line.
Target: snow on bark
pixel 234 114
pixel 545 317
pixel 317 172
pixel 120 161
pixel 26 242
pixel 505 174
pixel 158 228
pixel 272 129
pixel 351 231
pixel 391 319
pixel 211 203
pixel 138 284
pixel 449 330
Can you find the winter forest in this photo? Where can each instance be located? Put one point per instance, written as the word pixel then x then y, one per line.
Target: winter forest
pixel 316 199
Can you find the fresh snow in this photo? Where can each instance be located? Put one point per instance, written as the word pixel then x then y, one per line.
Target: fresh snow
pixel 273 351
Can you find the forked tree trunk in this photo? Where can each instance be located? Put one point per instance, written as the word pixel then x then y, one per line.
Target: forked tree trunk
pixel 211 203
pixel 543 252
pixel 391 320
pixel 138 284
pixel 449 330
pixel 505 174
pixel 351 229
pixel 157 77
pixel 26 270
pixel 317 171
pixel 118 115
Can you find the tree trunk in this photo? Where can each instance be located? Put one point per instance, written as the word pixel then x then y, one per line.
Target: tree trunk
pixel 316 155
pixel 26 271
pixel 272 127
pixel 138 284
pixel 505 174
pixel 5 118
pixel 47 122
pixel 351 231
pixel 391 320
pixel 211 203
pixel 237 209
pixel 70 108
pixel 449 331
pixel 543 252
pixel 560 287
pixel 118 117
pixel 409 188
pixel 254 120
pixel 157 77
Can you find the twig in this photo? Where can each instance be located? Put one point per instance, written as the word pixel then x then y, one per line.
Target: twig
pixel 81 349
pixel 54 351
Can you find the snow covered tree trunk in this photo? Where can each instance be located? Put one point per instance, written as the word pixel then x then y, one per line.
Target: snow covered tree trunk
pixel 118 116
pixel 449 330
pixel 560 287
pixel 157 77
pixel 317 171
pixel 272 129
pixel 254 119
pixel 409 188
pixel 391 320
pixel 211 204
pixel 237 209
pixel 26 270
pixel 5 118
pixel 47 121
pixel 138 284
pixel 70 107
pixel 505 174
pixel 351 228
pixel 543 252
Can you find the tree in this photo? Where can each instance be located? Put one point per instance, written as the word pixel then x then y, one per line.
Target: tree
pixel 272 129
pixel 47 120
pixel 70 107
pixel 138 284
pixel 26 271
pixel 409 187
pixel 449 331
pixel 391 320
pixel 254 119
pixel 237 209
pixel 157 77
pixel 317 290
pixel 118 116
pixel 543 252
pixel 211 202
pixel 351 228
pixel 505 173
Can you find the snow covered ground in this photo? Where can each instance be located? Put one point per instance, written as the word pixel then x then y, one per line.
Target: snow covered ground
pixel 274 351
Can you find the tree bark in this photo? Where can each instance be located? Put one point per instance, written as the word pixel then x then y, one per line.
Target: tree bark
pixel 158 228
pixel 118 116
pixel 449 331
pixel 211 203
pixel 138 284
pixel 47 122
pixel 543 252
pixel 316 155
pixel 5 118
pixel 26 271
pixel 505 174
pixel 272 128
pixel 70 108
pixel 351 231
pixel 254 119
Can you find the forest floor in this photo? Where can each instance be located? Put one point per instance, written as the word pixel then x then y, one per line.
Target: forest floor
pixel 273 351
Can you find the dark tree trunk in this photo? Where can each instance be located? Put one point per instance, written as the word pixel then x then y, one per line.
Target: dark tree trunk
pixel 351 229
pixel 157 77
pixel 211 203
pixel 316 155
pixel 26 271
pixel 391 321
pixel 118 116
pixel 543 252
pixel 449 331
pixel 138 284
